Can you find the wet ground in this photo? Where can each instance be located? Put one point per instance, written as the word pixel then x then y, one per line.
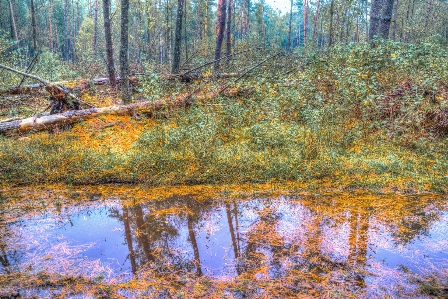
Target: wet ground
pixel 283 246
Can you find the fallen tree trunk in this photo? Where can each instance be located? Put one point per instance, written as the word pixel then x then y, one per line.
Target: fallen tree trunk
pixel 80 85
pixel 194 76
pixel 73 116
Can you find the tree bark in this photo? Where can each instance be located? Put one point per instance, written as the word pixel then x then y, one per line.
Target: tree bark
pixel 316 17
pixel 394 28
pixel 428 12
pixel 33 24
pixel 290 26
pixel 66 37
pixel 71 117
pixel 220 27
pixel 95 26
pixel 380 18
pixel 50 21
pixel 13 21
pixel 331 22
pixel 178 37
pixel 109 45
pixel 386 18
pixel 305 20
pixel 229 29
pixel 124 52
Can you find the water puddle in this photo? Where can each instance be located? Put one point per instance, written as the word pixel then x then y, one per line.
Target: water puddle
pixel 369 246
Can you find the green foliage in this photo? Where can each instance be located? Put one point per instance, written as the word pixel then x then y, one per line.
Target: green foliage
pixel 358 117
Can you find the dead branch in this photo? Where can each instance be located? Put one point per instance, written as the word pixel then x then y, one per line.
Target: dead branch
pixel 248 71
pixel 48 85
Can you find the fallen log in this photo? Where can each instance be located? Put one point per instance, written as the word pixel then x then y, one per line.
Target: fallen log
pixel 73 116
pixel 80 85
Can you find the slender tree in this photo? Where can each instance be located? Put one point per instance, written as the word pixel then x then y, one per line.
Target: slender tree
pixel 95 26
pixel 13 21
pixel 290 27
pixel 109 45
pixel 33 25
pixel 228 29
pixel 316 17
pixel 178 37
pixel 220 27
pixel 124 52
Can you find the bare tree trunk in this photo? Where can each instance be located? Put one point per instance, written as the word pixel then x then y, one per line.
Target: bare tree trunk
pixel 220 27
pixel 66 37
pixel 375 16
pixel 33 24
pixel 428 12
pixel 331 23
pixel 95 26
pixel 124 52
pixel 13 21
pixel 178 37
pixel 50 20
pixel 386 18
pixel 206 26
pixel 305 20
pixel 394 28
pixel 229 29
pixel 316 17
pixel 109 45
pixel 290 27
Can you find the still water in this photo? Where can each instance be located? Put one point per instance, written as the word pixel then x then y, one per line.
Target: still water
pixel 373 246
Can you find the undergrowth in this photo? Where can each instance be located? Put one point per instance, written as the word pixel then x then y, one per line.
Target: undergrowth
pixel 357 117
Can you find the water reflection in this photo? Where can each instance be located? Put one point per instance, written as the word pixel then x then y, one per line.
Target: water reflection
pixel 347 242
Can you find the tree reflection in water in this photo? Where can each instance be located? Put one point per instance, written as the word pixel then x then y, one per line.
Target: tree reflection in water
pixel 292 243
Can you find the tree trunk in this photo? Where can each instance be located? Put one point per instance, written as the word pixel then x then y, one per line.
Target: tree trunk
pixel 50 20
pixel 71 117
pixel 316 17
pixel 206 27
pixel 305 20
pixel 289 47
pixel 428 12
pixel 220 27
pixel 33 24
pixel 375 16
pixel 229 29
pixel 178 37
pixel 394 28
pixel 95 27
pixel 386 18
pixel 13 21
pixel 109 45
pixel 331 23
pixel 66 38
pixel 124 52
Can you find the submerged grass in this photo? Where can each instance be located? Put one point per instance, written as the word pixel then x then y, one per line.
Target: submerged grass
pixel 359 118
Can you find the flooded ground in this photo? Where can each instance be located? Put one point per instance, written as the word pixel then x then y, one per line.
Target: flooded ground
pixel 187 246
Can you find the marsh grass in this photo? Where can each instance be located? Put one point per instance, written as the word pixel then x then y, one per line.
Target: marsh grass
pixel 358 118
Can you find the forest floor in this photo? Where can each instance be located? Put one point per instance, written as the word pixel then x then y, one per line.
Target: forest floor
pixel 360 118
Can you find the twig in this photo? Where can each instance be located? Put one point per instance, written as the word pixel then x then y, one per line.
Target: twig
pixel 246 72
pixel 216 60
pixel 28 69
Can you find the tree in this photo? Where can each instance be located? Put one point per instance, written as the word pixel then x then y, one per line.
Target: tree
pixel 178 37
pixel 33 24
pixel 109 45
pixel 124 52
pixel 380 18
pixel 228 29
pixel 220 27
